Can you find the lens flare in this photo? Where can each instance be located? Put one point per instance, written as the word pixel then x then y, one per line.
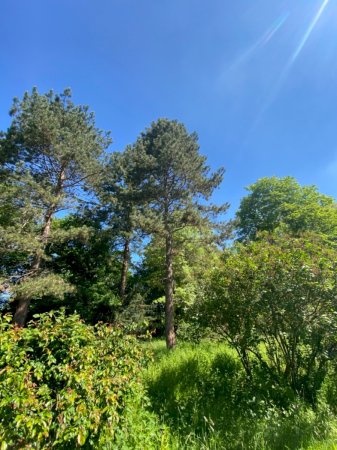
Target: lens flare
pixel 262 41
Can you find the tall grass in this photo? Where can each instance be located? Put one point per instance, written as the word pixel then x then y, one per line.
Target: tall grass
pixel 201 393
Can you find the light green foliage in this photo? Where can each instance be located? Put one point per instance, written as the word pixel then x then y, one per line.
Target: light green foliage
pixel 274 300
pixel 45 285
pixel 283 202
pixel 64 384
pixel 195 257
pixel 272 297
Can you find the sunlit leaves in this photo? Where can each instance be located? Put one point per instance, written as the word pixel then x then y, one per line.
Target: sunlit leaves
pixel 274 300
pixel 63 383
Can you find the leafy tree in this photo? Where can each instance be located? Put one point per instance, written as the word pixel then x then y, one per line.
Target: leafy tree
pixel 274 202
pixel 52 151
pixel 195 256
pixel 176 182
pixel 274 300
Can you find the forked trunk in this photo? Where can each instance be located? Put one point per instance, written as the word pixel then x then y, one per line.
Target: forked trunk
pixel 169 301
pixel 22 309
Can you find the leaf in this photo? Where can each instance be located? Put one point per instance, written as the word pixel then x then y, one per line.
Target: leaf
pixel 81 438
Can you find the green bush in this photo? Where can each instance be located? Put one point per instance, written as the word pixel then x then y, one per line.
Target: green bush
pixel 274 301
pixel 64 384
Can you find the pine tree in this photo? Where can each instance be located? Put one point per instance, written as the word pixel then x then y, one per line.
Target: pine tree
pixel 176 184
pixel 121 199
pixel 52 152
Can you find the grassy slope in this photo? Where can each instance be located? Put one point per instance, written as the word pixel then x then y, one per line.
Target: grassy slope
pixel 201 393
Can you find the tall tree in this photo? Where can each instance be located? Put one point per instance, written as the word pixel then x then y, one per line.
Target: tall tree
pixel 58 149
pixel 176 183
pixel 274 202
pixel 121 197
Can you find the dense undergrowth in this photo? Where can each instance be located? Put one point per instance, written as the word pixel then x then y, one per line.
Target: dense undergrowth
pixel 202 394
pixel 65 385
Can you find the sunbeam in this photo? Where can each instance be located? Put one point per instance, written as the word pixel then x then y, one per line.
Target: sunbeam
pixel 295 55
pixel 308 32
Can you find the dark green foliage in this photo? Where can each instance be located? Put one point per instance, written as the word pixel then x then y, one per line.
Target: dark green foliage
pixel 49 128
pixel 53 152
pixel 122 199
pixel 271 296
pixel 90 263
pixel 140 317
pixel 174 177
pixel 176 184
pixel 64 384
pixel 195 256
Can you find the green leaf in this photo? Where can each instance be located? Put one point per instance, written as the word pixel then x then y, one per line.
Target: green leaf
pixel 81 438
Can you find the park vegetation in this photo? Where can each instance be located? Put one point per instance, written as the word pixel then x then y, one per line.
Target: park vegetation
pixel 133 315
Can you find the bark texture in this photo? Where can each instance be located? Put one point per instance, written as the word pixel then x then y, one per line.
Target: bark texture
pixel 125 268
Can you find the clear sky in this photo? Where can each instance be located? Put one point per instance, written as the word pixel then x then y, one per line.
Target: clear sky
pixel 257 79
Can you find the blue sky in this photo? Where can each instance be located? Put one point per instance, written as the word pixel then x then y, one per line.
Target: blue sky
pixel 256 79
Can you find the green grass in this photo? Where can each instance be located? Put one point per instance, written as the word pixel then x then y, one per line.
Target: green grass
pixel 201 395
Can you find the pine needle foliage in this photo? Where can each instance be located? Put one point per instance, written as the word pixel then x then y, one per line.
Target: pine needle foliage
pixel 52 152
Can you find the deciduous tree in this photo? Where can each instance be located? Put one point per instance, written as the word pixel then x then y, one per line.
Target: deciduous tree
pixel 274 202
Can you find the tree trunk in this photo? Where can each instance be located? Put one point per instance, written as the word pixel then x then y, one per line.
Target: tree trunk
pixel 44 236
pixel 22 309
pixel 125 267
pixel 169 302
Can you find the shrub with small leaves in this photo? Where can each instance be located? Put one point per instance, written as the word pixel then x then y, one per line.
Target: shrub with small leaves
pixel 64 384
pixel 275 301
